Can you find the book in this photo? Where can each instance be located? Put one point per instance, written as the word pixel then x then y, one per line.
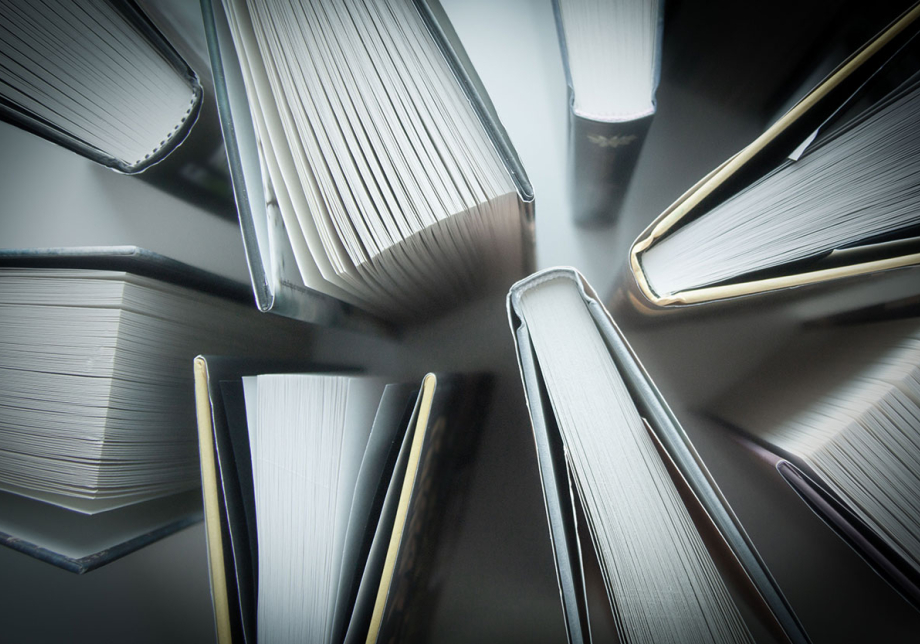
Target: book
pixel 611 53
pixel 98 416
pixel 814 205
pixel 837 412
pixel 673 560
pixel 98 78
pixel 397 460
pixel 365 193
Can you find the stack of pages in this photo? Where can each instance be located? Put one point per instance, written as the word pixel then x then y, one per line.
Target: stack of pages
pixel 97 408
pixel 96 77
pixel 329 498
pixel 376 171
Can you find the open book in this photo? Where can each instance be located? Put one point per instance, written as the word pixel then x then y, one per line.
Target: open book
pixel 826 197
pixel 611 52
pixel 327 498
pixel 368 164
pixel 674 562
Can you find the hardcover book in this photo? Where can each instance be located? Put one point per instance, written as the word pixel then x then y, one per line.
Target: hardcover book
pixel 629 502
pixel 355 190
pixel 823 203
pixel 400 455
pixel 611 52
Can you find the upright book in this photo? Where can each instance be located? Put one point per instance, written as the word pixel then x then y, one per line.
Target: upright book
pixel 675 563
pixel 824 200
pixel 611 52
pixel 97 414
pixel 97 77
pixel 351 528
pixel 368 164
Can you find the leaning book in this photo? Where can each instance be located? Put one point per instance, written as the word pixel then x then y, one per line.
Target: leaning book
pixel 646 547
pixel 369 166
pixel 836 412
pixel 97 412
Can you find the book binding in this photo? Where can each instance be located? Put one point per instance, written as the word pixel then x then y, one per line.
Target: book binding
pixel 602 153
pixel 665 429
pixel 776 144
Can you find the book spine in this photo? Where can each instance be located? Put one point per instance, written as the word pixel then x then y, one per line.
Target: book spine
pixel 602 154
pixel 602 159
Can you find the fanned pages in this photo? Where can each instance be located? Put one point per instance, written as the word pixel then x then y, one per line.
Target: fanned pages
pixel 97 77
pixel 394 195
pixel 825 195
pixel 611 51
pixel 843 405
pixel 675 563
pixel 307 438
pixel 353 487
pixel 858 186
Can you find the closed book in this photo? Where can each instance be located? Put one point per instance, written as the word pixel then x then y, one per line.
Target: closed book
pixel 611 53
pixel 98 78
pixel 611 452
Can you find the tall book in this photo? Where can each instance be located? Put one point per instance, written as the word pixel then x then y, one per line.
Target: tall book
pixel 328 498
pixel 611 52
pixel 97 411
pixel 824 202
pixel 632 509
pixel 368 164
pixel 97 77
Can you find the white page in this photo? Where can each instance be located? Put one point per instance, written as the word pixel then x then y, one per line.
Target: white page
pixel 363 400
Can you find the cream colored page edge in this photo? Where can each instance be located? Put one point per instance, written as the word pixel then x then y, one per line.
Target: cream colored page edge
pixel 317 270
pixel 209 492
pixel 703 188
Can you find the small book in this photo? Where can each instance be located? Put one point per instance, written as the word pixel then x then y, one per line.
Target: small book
pixel 839 411
pixel 369 165
pixel 97 414
pixel 825 198
pixel 628 499
pixel 611 53
pixel 97 77
pixel 327 498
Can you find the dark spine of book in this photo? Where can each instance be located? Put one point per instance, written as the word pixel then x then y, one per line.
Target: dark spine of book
pixel 602 154
pixel 602 158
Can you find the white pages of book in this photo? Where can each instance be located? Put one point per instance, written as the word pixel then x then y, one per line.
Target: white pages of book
pixel 662 583
pixel 392 193
pixel 86 69
pixel 97 400
pixel 308 434
pixel 612 49
pixel 846 403
pixel 857 186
